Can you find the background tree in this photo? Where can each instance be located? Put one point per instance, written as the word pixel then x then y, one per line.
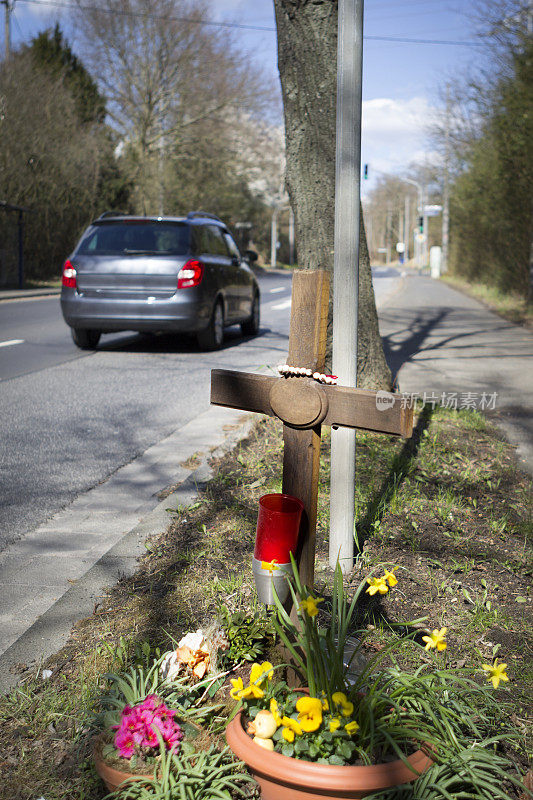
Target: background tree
pixel 307 60
pixel 50 51
pixel 174 89
pixel 53 159
pixel 491 165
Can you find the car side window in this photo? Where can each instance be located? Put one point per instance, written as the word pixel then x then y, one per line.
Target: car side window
pixel 232 247
pixel 216 241
pixel 200 240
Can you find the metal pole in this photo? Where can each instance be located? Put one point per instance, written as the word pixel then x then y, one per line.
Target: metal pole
pixel 7 27
pixel 21 249
pixel 388 235
pixel 274 239
pixel 406 227
pixel 346 271
pixel 446 193
pixel 291 237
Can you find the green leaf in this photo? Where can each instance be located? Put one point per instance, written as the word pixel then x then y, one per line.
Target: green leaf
pixel 336 761
pixel 287 749
pixel 521 599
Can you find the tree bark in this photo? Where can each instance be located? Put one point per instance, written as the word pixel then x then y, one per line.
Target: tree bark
pixel 307 62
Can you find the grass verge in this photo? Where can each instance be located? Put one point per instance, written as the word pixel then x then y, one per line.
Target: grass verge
pixel 449 507
pixel 509 305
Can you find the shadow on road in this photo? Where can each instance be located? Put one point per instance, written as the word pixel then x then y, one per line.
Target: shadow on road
pixel 172 342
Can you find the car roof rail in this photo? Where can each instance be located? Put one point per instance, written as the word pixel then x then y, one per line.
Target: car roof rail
pixel 193 214
pixel 112 214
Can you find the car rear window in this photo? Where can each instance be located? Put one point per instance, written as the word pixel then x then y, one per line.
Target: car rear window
pixel 130 238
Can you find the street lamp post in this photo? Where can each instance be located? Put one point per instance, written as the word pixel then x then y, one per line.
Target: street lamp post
pixel 420 211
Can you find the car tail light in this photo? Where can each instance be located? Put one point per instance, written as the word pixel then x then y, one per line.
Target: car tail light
pixel 190 274
pixel 69 275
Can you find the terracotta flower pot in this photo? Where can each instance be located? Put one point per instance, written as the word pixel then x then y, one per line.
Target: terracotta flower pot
pixel 284 778
pixel 112 777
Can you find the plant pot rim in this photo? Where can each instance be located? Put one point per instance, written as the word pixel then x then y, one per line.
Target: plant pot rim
pixel 322 776
pixel 111 776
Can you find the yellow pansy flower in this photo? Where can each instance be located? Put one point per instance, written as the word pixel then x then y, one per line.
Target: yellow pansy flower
pixel 340 700
pixel 309 713
pixel 311 605
pixel 334 724
pixel 241 692
pixel 377 585
pixel 437 639
pixel 351 727
pixel 261 673
pixel 274 710
pixel 290 728
pixel 495 673
pixel 238 686
pixel 390 577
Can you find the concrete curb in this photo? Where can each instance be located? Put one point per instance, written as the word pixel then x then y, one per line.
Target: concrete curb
pixel 50 631
pixel 26 294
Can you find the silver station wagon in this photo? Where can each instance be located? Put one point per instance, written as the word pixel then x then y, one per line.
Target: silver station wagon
pixel 178 274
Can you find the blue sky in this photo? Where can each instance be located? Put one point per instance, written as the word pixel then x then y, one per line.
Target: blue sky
pixel 400 80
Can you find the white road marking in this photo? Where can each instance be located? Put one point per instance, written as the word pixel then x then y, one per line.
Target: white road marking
pixel 277 289
pixel 281 306
pixel 10 342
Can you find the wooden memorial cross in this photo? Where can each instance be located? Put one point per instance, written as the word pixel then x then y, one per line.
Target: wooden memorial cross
pixel 304 405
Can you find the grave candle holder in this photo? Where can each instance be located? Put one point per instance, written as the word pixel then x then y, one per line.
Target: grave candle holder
pixel 278 525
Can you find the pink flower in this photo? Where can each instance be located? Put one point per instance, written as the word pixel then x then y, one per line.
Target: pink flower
pixel 140 724
pixel 150 703
pixel 125 744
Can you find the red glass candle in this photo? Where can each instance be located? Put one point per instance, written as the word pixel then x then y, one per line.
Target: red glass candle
pixel 278 524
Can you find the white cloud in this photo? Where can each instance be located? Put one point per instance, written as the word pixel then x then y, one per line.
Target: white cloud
pixel 394 133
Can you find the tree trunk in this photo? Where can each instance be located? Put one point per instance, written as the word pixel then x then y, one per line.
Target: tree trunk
pixel 307 61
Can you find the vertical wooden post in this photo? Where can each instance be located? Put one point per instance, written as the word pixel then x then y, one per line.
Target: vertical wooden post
pixel 301 456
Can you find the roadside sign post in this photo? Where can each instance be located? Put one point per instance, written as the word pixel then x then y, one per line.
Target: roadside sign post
pixel 346 271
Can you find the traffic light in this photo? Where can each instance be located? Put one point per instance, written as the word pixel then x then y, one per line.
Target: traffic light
pixel 421 224
pixel 365 172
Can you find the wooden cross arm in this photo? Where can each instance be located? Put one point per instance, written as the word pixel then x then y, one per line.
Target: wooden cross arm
pixel 303 403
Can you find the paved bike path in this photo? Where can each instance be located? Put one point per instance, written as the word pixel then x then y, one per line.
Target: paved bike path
pixel 438 340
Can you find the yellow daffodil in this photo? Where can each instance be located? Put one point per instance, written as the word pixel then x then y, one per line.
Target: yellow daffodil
pixel 270 566
pixel 351 727
pixel 390 577
pixel 495 673
pixel 341 701
pixel 309 713
pixel 260 673
pixel 274 710
pixel 334 724
pixel 437 639
pixel 377 585
pixel 290 728
pixel 310 606
pixel 238 686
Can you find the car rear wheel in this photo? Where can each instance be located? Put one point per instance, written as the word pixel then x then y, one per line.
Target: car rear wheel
pixel 85 338
pixel 212 337
pixel 251 326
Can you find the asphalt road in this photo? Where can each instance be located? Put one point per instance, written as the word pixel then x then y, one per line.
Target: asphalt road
pixel 70 418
